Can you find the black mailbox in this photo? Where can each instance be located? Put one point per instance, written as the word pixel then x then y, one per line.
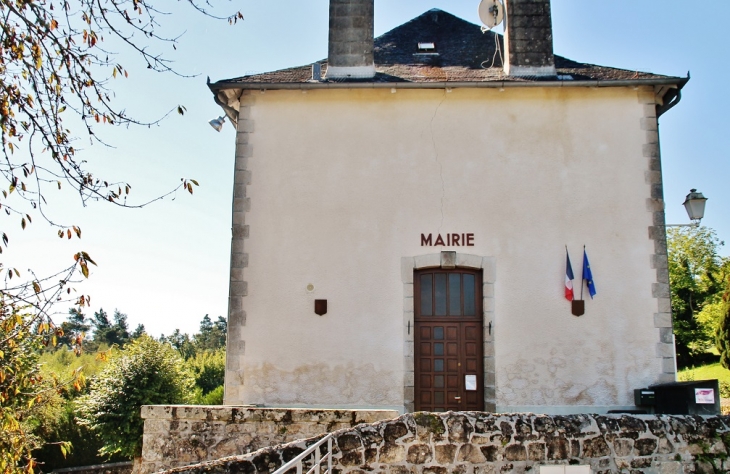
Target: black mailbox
pixel 696 397
pixel 644 397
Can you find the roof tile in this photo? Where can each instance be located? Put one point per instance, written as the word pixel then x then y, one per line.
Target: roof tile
pixel 463 53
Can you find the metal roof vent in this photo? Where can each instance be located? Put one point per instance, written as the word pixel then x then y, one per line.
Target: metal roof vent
pixel 316 72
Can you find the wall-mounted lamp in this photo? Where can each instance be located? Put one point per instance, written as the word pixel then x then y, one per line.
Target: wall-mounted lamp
pixel 694 203
pixel 217 124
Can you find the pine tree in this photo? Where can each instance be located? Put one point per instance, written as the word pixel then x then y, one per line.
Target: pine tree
pixel 74 330
pixel 212 335
pixel 106 332
pixel 138 332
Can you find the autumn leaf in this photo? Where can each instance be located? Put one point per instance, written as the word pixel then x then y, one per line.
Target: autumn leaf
pixel 87 258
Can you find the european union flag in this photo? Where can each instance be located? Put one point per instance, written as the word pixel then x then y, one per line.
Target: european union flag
pixel 588 275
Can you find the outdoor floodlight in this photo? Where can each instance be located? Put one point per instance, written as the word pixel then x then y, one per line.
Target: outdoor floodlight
pixel 217 124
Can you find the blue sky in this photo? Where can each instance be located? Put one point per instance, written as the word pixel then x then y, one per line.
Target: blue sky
pixel 166 266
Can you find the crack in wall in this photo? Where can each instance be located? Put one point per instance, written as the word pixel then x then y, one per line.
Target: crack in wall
pixel 436 158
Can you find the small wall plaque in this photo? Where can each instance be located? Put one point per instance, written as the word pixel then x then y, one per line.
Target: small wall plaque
pixel 320 307
pixel 704 395
pixel 578 307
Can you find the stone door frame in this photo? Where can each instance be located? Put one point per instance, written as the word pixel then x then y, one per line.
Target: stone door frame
pixel 449 260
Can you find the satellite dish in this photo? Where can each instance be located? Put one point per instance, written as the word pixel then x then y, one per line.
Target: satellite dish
pixel 491 12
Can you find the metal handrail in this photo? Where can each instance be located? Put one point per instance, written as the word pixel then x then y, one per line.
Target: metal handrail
pixel 318 459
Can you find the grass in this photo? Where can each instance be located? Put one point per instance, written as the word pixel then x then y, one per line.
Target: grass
pixel 704 372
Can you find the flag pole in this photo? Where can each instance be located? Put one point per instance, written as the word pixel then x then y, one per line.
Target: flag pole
pixel 568 258
pixel 582 280
pixel 577 307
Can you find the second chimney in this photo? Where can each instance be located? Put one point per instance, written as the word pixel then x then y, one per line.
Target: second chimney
pixel 350 52
pixel 528 38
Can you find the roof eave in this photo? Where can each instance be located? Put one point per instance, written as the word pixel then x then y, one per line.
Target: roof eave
pixel 667 88
pixel 665 81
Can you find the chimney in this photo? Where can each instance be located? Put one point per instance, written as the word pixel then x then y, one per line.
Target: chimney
pixel 350 54
pixel 528 38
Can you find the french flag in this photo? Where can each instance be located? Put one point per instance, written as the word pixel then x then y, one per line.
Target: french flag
pixel 568 277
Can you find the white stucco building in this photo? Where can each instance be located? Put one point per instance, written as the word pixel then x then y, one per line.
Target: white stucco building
pixel 348 179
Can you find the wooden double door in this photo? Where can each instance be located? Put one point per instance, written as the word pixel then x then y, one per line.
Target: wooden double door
pixel 449 366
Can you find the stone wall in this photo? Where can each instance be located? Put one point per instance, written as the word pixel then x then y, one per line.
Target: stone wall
pixel 483 443
pixel 181 435
pixel 108 468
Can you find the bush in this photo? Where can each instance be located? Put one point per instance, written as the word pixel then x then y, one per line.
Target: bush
pixel 64 365
pixel 214 397
pixel 209 369
pixel 27 399
pixel 145 372
pixel 722 333
pixel 61 365
pixel 724 389
pixel 85 444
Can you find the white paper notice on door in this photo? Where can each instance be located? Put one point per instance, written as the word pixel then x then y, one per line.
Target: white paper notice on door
pixel 704 396
pixel 471 382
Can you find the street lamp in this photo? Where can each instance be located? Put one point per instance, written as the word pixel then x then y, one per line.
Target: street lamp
pixel 694 203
